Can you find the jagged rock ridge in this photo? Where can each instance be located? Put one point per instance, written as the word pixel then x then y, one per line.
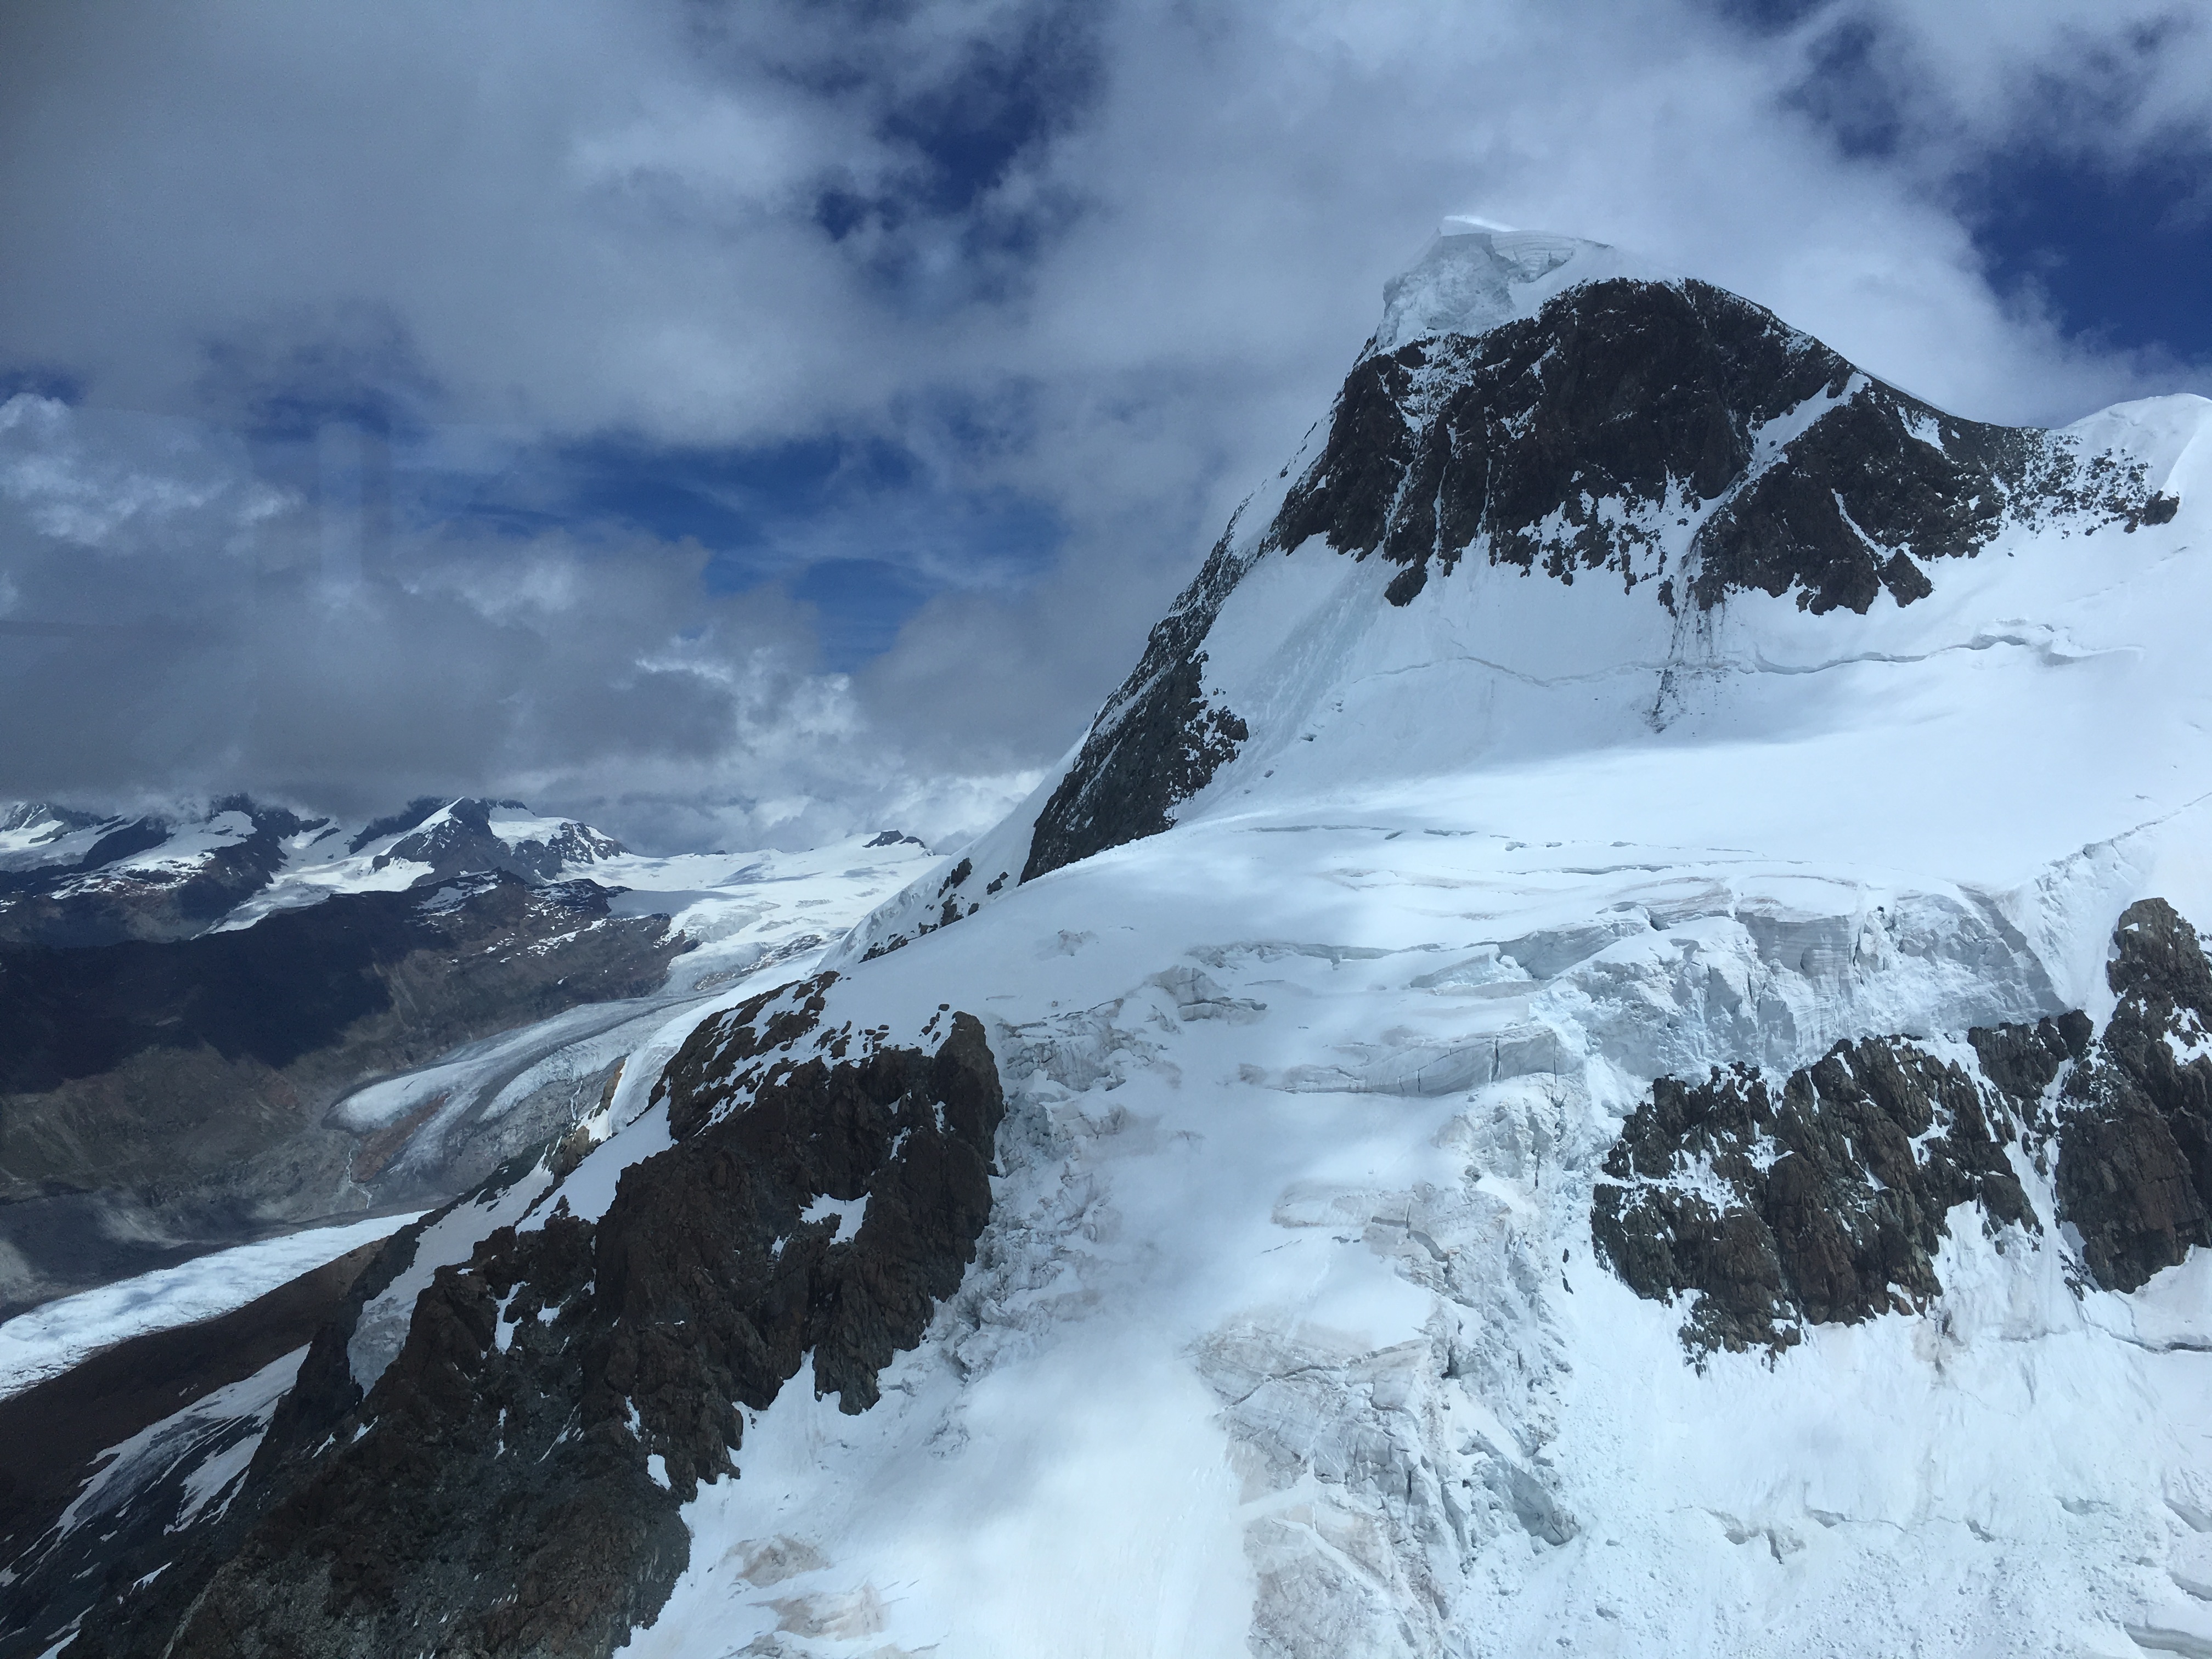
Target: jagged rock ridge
pixel 1822 1202
pixel 512 1479
pixel 111 891
pixel 1560 443
pixel 72 879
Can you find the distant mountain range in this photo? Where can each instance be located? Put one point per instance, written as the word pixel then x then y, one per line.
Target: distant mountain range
pixel 68 878
pixel 187 1001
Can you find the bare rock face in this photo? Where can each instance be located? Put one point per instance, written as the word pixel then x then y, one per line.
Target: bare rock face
pixel 1158 742
pixel 1835 1192
pixel 1826 1203
pixel 1558 442
pixel 2134 1171
pixel 457 838
pixel 511 1484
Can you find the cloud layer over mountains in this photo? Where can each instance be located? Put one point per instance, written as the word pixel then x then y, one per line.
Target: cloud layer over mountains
pixel 319 316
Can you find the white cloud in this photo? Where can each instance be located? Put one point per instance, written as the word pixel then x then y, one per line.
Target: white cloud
pixel 127 480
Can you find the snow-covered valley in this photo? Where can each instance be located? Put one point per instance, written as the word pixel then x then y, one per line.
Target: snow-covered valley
pixel 1188 1220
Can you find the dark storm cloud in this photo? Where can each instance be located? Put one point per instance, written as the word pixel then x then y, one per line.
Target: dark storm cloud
pixel 562 400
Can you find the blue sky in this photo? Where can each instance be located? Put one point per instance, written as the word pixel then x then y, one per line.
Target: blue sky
pixel 2124 257
pixel 750 422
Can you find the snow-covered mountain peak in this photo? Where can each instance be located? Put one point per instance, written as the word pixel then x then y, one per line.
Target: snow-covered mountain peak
pixel 2170 436
pixel 1473 276
pixel 1602 1050
pixel 1647 519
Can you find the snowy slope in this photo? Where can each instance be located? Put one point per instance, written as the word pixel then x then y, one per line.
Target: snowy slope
pixel 51 1340
pixel 1287 1331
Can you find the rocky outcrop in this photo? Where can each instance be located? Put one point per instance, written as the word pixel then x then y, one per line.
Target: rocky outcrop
pixel 512 1480
pixel 2135 1169
pixel 949 904
pixel 185 1085
pixel 1157 743
pixel 1826 1201
pixel 1823 1202
pixel 456 837
pixel 1573 441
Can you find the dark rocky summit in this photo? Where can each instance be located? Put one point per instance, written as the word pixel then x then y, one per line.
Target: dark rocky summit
pixel 1824 1201
pixel 1565 442
pixel 510 1484
pixel 1577 442
pixel 463 842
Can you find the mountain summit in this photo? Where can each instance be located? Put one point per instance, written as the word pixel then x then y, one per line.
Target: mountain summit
pixel 1534 414
pixel 1604 1049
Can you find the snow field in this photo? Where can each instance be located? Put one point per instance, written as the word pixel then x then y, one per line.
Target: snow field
pixel 1349 1347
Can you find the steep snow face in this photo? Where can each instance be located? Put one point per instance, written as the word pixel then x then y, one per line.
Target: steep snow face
pixel 1756 721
